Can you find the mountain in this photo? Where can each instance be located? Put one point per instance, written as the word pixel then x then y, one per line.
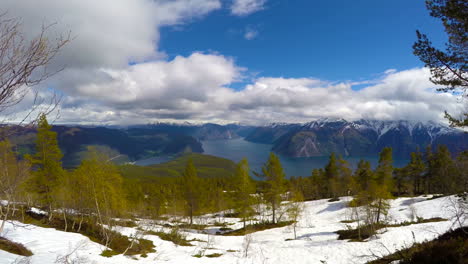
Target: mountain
pixel 270 134
pixel 132 143
pixel 202 131
pixel 358 138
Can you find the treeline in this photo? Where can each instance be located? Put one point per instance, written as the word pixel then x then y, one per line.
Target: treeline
pixel 426 173
pixel 97 192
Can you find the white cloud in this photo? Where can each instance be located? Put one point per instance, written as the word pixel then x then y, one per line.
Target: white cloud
pixel 100 87
pixel 247 7
pixel 250 33
pixel 107 33
pixel 196 88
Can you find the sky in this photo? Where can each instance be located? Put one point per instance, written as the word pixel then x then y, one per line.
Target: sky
pixel 245 61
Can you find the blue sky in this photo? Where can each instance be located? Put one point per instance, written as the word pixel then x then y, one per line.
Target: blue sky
pixel 335 40
pixel 247 61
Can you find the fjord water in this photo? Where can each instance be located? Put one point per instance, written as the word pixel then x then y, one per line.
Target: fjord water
pixel 257 154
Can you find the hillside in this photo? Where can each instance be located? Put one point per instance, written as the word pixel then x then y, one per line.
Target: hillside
pixel 316 241
pixel 135 143
pixel 207 167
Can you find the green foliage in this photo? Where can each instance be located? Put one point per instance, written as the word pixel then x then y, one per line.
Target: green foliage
pixel 47 166
pixel 214 255
pixel 275 182
pixel 14 248
pixel 448 68
pixel 243 190
pixel 191 188
pixel 256 227
pixel 174 236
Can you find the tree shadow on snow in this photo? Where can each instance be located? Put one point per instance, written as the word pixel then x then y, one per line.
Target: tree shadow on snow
pixel 333 207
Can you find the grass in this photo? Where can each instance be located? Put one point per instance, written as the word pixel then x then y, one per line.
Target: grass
pixel 347 221
pixel 124 223
pixel 174 236
pixel 255 228
pixel 14 248
pixel 451 247
pixel 364 232
pixel 334 200
pixel 214 255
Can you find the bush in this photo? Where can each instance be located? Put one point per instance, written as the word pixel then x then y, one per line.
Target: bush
pixel 451 247
pixel 14 248
pixel 256 227
pixel 174 236
pixel 118 243
pixel 364 232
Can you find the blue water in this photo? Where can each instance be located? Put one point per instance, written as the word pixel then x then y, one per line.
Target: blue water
pixel 257 155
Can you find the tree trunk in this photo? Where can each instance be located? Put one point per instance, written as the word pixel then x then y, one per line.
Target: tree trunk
pixel 378 210
pixel 274 211
pixel 5 217
pixel 65 219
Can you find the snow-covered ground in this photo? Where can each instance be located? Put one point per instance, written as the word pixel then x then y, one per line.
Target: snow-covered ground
pixel 316 243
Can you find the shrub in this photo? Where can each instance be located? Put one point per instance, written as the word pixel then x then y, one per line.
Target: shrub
pixel 451 247
pixel 174 236
pixel 256 227
pixel 15 248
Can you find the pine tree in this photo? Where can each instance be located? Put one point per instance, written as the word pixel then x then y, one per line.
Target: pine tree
pixel 317 184
pixel 243 190
pixel 47 167
pixel 443 171
pixel 364 174
pixel 448 67
pixel 415 169
pixel 345 180
pixel 331 175
pixel 275 182
pixel 384 182
pixel 190 188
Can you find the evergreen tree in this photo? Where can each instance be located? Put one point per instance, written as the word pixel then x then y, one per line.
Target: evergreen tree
pixel 243 190
pixel 318 184
pixel 331 175
pixel 364 174
pixel 462 172
pixel 415 170
pixel 190 188
pixel 275 182
pixel 345 180
pixel 448 68
pixel 384 182
pixel 443 171
pixel 47 167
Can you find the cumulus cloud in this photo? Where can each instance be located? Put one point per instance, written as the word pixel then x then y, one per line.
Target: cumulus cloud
pixel 106 33
pixel 246 7
pixel 100 87
pixel 196 88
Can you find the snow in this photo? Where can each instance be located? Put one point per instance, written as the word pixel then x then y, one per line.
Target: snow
pixel 317 241
pixel 38 211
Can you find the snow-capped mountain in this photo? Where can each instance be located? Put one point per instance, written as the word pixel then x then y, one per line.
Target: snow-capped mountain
pixel 359 138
